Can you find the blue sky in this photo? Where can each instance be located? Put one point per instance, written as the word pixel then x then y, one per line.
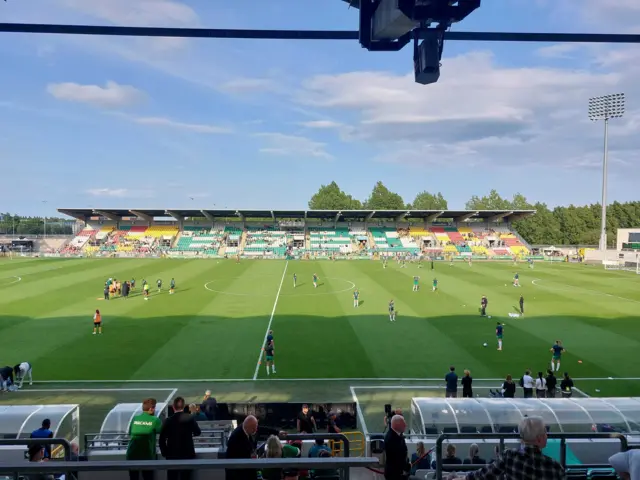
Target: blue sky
pixel 123 122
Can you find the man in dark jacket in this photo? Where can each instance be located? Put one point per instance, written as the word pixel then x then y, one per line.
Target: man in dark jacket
pixel 209 406
pixel 396 466
pixel 242 445
pixel 176 439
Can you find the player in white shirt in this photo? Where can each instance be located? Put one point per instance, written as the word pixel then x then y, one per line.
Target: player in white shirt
pixel 21 371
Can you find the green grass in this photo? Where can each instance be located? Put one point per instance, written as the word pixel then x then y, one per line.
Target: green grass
pixel 196 334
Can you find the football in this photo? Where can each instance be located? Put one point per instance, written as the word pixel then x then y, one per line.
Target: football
pixel 484 344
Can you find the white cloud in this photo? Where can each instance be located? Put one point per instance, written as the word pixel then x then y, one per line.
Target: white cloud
pixel 192 127
pixel 249 85
pixel 108 192
pixel 479 112
pixel 559 50
pixel 293 146
pixel 137 12
pixel 112 95
pixel 322 124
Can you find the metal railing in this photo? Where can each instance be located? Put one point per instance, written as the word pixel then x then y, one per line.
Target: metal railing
pixel 339 437
pixel 501 437
pixel 340 464
pixel 96 442
pixel 27 442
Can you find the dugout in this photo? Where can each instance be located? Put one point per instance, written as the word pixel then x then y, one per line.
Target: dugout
pixel 431 417
pixel 18 421
pixel 114 432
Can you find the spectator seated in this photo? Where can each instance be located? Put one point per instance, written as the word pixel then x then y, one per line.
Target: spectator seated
pixel 265 240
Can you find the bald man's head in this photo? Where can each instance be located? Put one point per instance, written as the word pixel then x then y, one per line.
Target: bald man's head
pixel 398 424
pixel 250 425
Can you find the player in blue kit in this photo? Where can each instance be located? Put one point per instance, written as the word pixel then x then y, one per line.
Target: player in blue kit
pixel 356 298
pixel 499 328
pixel 530 260
pixel 392 311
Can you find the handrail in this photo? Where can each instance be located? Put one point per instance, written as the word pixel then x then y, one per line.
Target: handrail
pixel 321 436
pixel 40 441
pixel 198 464
pixel 563 437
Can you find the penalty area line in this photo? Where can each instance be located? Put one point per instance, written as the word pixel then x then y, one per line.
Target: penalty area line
pixel 273 312
pixel 363 424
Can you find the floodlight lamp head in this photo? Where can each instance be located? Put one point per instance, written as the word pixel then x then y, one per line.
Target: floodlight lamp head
pixel 606 107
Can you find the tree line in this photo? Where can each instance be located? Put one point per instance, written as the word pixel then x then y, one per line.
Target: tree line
pixel 571 225
pixel 11 224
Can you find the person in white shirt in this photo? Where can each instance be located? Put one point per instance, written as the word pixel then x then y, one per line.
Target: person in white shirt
pixel 21 371
pixel 527 384
pixel 541 386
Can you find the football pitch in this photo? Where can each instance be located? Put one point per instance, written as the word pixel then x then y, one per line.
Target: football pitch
pixel 209 334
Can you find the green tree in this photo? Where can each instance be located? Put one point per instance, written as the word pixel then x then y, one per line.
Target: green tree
pixel 493 201
pixel 382 198
pixel 428 201
pixel 331 197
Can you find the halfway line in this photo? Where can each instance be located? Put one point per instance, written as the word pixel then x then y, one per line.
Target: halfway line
pixel 273 312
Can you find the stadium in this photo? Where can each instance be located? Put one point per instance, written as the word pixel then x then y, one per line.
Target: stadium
pixel 317 335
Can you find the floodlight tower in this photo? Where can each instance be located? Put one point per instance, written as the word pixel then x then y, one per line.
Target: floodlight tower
pixel 605 108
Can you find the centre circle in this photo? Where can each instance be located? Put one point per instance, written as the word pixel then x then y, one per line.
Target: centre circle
pixel 257 286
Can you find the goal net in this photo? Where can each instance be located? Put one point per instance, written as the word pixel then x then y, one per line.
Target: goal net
pixel 624 261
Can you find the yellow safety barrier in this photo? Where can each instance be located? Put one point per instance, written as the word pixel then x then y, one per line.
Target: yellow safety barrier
pixel 357 446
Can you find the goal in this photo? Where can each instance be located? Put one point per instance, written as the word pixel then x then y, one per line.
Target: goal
pixel 625 262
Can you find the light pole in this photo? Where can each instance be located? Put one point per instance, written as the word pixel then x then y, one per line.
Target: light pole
pixel 45 219
pixel 604 108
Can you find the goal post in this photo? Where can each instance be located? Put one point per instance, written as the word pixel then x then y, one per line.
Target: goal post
pixel 629 262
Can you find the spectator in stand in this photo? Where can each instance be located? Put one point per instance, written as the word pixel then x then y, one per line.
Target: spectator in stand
pixel 317 447
pixel 566 386
pixel 197 414
pixel 450 456
pixel 209 406
pixel 273 449
pixel 541 386
pixel 552 381
pixel 176 439
pixel 526 382
pixel 44 432
pixel 509 387
pixel 466 385
pixel 396 465
pixel 242 445
pixel 451 379
pixel 626 464
pixel 306 423
pixel 36 454
pixel 526 462
pixel 474 456
pixel 420 459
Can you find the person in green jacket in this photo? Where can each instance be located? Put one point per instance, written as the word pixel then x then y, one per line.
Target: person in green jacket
pixel 143 431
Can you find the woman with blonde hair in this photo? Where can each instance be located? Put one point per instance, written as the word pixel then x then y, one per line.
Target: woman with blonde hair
pixel 420 459
pixel 272 449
